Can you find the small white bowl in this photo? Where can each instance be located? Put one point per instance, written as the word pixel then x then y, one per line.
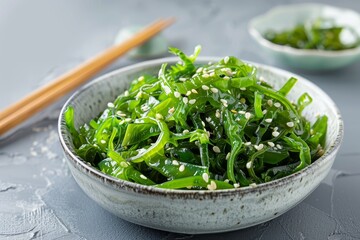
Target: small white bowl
pixel 196 211
pixel 286 17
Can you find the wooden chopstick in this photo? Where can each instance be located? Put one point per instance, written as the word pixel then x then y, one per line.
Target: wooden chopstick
pixel 41 98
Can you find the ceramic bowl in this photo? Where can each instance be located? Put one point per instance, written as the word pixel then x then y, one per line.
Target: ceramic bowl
pixel 193 211
pixel 286 17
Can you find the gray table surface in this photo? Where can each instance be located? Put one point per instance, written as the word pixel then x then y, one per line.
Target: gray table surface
pixel 41 39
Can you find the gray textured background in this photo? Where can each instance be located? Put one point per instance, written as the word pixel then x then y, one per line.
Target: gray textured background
pixel 41 39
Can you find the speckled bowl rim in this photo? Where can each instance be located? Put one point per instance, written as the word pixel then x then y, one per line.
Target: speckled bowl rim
pixel 192 194
pixel 294 51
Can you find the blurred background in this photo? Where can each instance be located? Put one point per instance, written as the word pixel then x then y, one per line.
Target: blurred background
pixel 43 38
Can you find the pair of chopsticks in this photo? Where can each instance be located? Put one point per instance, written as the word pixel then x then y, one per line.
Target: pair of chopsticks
pixel 43 97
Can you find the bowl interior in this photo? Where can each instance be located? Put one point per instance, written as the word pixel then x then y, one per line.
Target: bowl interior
pixel 92 99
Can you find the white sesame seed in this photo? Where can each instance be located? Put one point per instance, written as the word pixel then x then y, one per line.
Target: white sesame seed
pixel 226 78
pixel 143 176
pixel 290 124
pixel 205 176
pixel 275 134
pixel 264 111
pixel 141 78
pixel 216 149
pixel 103 141
pixel 139 94
pixel 241 112
pixel 223 101
pixel 204 87
pixel 226 59
pixel 252 185
pixel 248 165
pixel 208 119
pixel 271 144
pixel 227 180
pixel 171 110
pixel 242 100
pixel 159 116
pixel 182 168
pixel 268 120
pixel 185 131
pixel 127 119
pixel 247 115
pixel 247 143
pixel 205 75
pixel 176 163
pixel 177 94
pixel 188 93
pixel 312 131
pixel 194 91
pixel 217 113
pixel 208 133
pixel 278 146
pixel 259 147
pixel 270 102
pixel 199 70
pixel 229 73
pixel 212 74
pixel 167 89
pixel 214 90
pixel 236 185
pixel 126 93
pixel 110 105
pixel 185 100
pixel 227 156
pixel 277 104
pixel 182 79
pixel 212 185
pixel 202 122
pixel 275 129
pixel 192 101
pixel 243 88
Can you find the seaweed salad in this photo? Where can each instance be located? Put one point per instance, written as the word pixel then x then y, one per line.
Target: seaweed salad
pixel 210 126
pixel 320 34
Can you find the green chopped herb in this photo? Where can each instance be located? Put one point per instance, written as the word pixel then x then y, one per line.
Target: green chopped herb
pixel 212 126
